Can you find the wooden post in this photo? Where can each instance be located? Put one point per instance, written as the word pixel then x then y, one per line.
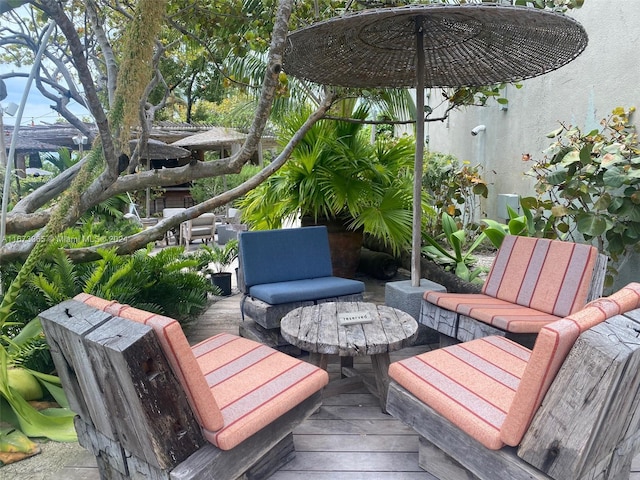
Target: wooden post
pixel 589 423
pixel 130 392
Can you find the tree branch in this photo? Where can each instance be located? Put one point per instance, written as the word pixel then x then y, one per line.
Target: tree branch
pixel 17 250
pixel 54 9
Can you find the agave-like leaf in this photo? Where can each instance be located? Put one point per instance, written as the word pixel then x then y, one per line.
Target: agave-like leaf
pixel 56 425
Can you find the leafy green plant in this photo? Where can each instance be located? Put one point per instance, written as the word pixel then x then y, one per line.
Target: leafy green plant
pixel 61 160
pixel 530 224
pixel 592 180
pixel 167 283
pixel 335 173
pixel 215 258
pixel 454 259
pixel 454 189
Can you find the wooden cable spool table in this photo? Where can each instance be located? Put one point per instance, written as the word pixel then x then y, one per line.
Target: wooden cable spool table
pixel 321 330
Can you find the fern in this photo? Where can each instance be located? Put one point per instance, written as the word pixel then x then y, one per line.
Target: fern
pixel 33 354
pixel 50 290
pixel 121 273
pixel 108 257
pixel 63 273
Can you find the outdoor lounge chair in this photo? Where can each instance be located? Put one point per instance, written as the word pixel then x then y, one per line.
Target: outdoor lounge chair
pixel 532 282
pixel 472 399
pixel 150 405
pixel 199 228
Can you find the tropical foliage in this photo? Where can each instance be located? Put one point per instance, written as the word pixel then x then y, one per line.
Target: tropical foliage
pixel 215 258
pixel 454 189
pixel 589 186
pixel 166 283
pixel 452 256
pixel 335 172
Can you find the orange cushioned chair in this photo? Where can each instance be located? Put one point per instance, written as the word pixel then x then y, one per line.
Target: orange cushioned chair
pixel 532 282
pixel 491 387
pixel 235 386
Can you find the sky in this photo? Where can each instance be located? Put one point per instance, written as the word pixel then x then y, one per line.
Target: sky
pixel 37 110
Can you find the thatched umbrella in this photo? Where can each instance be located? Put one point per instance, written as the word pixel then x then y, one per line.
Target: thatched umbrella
pixel 433 46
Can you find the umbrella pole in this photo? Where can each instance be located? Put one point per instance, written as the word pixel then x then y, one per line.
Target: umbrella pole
pixel 416 240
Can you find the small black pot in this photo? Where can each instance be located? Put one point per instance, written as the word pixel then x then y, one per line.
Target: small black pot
pixel 223 282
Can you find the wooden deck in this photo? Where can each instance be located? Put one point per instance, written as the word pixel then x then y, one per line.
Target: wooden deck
pixel 348 438
pixel 351 439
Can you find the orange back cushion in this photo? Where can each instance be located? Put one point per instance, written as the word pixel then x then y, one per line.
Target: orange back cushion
pixel 547 275
pixel 549 352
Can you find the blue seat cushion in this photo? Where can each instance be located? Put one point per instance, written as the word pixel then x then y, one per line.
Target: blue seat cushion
pixel 308 289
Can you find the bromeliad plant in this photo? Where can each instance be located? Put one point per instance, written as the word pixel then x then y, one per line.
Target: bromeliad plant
pixel 457 260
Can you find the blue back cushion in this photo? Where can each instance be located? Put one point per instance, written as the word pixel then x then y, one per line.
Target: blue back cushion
pixel 269 256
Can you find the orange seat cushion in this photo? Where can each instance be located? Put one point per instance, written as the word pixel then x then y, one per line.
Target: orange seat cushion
pixel 501 314
pixel 253 384
pixel 472 384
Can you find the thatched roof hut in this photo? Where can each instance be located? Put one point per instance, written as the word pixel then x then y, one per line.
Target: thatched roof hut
pixel 213 139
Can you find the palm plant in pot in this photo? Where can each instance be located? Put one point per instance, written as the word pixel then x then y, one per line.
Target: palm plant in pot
pixel 214 260
pixel 336 176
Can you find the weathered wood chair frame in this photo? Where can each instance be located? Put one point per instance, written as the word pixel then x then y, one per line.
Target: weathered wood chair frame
pixel 133 413
pixel 588 424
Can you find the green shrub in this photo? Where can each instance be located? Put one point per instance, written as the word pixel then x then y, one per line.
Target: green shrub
pixel 588 185
pixel 455 190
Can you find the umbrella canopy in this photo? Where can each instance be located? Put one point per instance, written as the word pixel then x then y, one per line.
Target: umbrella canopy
pixel 433 46
pixel 464 45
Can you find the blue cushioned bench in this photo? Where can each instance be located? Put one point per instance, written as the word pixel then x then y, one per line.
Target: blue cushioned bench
pixel 280 270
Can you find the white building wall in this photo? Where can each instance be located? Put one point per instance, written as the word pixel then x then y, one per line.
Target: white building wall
pixel 605 76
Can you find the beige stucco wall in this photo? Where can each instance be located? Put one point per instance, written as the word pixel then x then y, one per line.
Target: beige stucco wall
pixel 606 75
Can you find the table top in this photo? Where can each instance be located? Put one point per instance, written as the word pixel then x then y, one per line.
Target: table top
pixel 316 329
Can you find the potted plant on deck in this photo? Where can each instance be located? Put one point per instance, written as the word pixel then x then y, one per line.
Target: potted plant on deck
pixel 214 260
pixel 337 177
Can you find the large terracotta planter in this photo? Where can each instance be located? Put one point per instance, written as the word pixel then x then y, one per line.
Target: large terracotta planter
pixel 345 245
